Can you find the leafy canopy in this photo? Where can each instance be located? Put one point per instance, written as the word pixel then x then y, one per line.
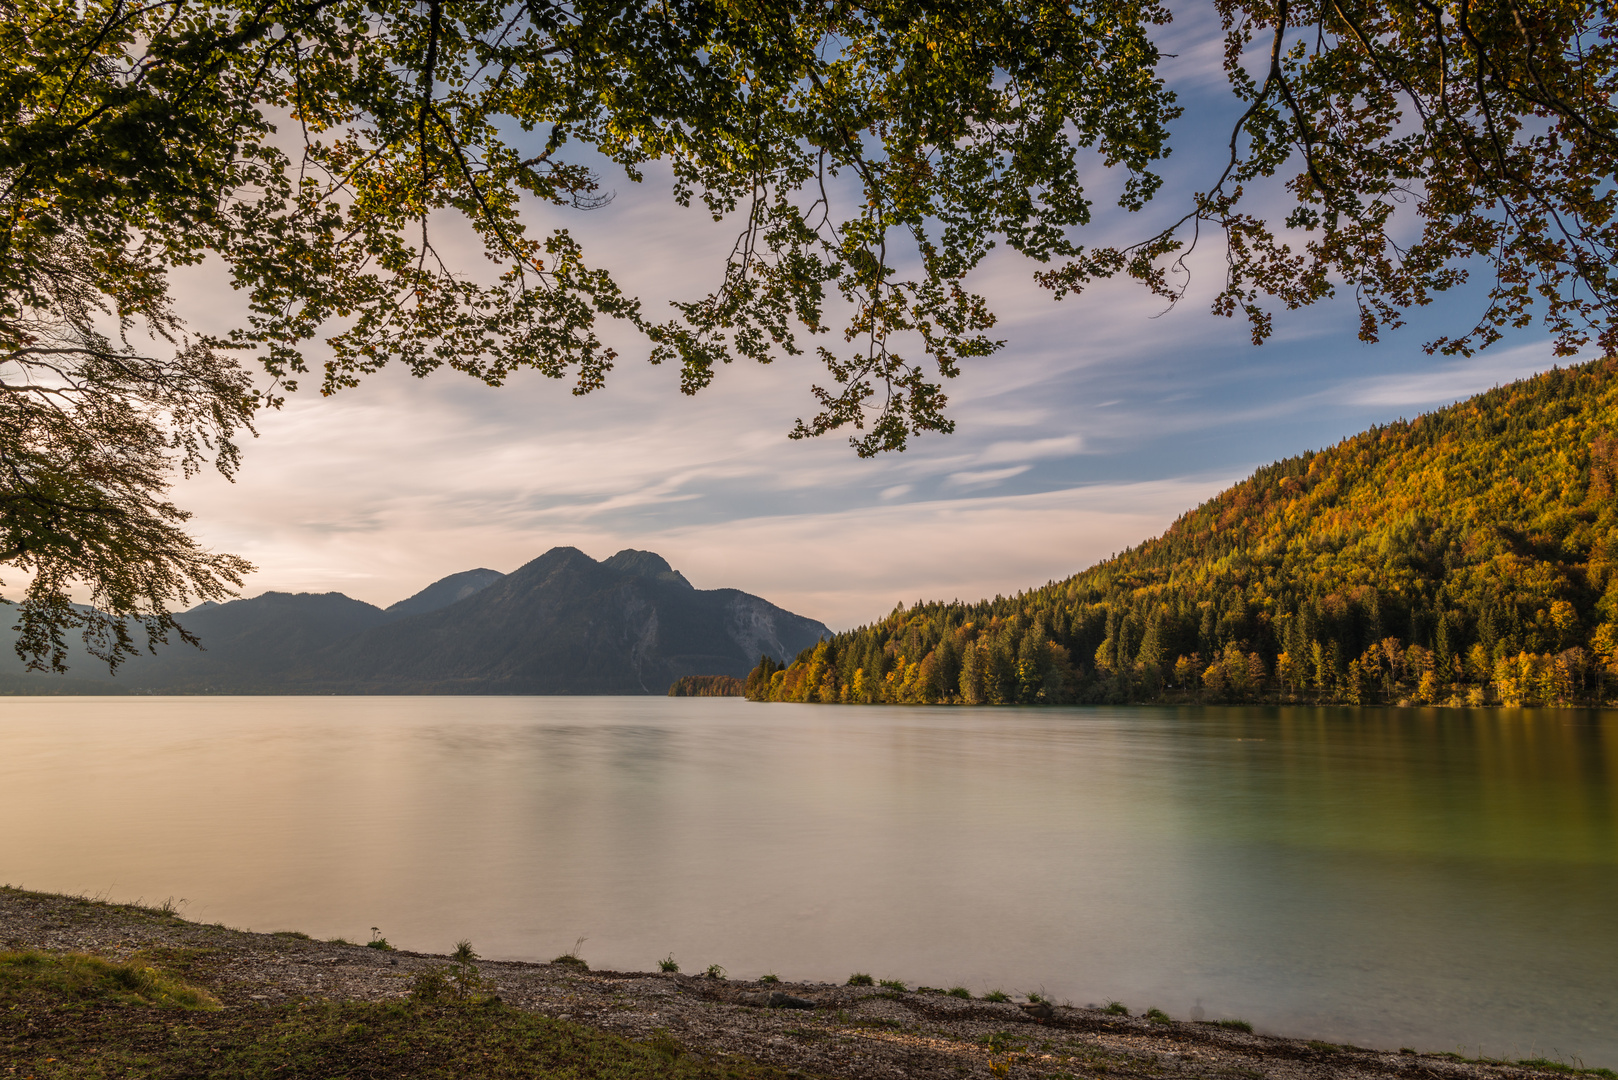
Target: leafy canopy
pixel 869 156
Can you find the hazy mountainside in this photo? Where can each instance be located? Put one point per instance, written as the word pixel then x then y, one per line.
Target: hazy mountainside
pixel 1466 556
pixel 564 623
pixel 444 592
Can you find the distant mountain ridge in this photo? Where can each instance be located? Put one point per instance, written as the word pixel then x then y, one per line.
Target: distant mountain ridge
pixel 562 624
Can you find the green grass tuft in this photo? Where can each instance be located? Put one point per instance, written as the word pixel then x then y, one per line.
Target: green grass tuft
pixel 668 964
pixel 81 979
pixel 1158 1016
pixel 1236 1025
pixel 772 977
pixel 895 984
pixel 463 953
pixel 716 972
pixel 859 978
pixel 997 995
pixel 379 942
pixel 1116 1008
pixel 959 992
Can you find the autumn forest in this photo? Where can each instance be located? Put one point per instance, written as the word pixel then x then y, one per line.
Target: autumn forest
pixel 1466 557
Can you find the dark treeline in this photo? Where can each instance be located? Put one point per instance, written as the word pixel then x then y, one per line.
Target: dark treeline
pixel 1465 557
pixel 706 686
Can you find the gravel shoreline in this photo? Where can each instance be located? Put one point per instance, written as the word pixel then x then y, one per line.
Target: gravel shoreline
pixel 853 1032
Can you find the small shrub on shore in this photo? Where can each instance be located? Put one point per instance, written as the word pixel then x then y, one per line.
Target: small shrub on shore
pixel 959 992
pixel 450 983
pixel 1035 997
pixel 572 959
pixel 463 953
pixel 716 972
pixel 668 964
pixel 772 977
pixel 859 978
pixel 997 995
pixel 1158 1016
pixel 1116 1008
pixel 894 984
pixel 379 942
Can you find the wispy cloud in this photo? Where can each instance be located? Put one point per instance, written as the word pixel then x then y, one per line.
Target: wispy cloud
pixel 1453 381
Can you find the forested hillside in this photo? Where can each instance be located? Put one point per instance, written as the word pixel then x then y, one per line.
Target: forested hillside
pixel 1464 557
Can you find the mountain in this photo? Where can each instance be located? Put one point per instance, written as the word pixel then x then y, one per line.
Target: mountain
pixel 444 592
pixel 566 624
pixel 563 624
pixel 1468 556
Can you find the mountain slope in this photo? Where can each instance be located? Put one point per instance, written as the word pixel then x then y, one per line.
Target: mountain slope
pixel 1465 556
pixel 249 646
pixel 444 592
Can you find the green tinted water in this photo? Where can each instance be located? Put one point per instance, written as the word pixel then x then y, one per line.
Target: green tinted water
pixel 1437 879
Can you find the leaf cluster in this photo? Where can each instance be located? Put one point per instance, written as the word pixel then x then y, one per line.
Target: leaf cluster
pixel 1418 142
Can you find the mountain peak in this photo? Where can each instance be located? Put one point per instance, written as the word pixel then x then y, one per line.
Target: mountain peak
pixel 646 564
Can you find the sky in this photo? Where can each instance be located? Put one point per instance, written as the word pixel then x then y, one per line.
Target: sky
pixel 1102 419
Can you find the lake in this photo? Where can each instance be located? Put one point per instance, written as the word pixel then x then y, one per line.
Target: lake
pixel 1438 879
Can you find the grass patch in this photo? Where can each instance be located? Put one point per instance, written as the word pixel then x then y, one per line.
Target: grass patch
pixel 79 980
pixel 859 978
pixel 772 977
pixel 1116 1008
pixel 53 1028
pixel 379 942
pixel 716 972
pixel 887 1023
pixel 895 984
pixel 959 992
pixel 1323 1047
pixel 997 995
pixel 668 964
pixel 1158 1016
pixel 1235 1025
pixel 295 935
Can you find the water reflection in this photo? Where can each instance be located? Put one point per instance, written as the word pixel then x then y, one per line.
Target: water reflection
pixel 1383 877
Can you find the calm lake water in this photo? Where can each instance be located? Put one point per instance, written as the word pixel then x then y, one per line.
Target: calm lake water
pixel 1434 879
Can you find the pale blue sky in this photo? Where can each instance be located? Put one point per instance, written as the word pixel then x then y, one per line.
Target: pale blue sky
pixel 1093 429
